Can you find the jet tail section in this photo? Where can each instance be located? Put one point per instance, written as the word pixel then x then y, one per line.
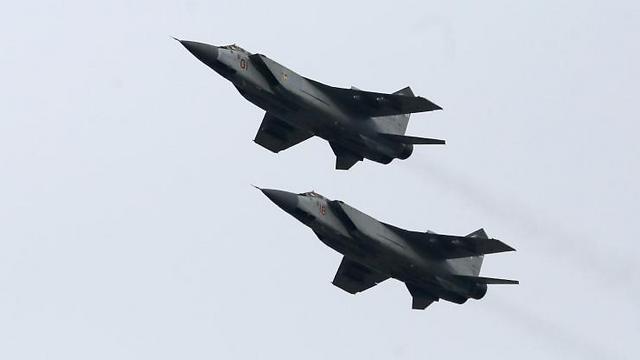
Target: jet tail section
pixel 394 124
pixel 421 298
pixel 475 262
pixel 487 280
pixel 413 139
pixel 469 265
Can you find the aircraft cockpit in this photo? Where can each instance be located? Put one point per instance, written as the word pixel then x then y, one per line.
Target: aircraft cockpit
pixel 312 194
pixel 234 47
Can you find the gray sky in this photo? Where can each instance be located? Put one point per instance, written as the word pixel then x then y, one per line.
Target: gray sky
pixel 128 228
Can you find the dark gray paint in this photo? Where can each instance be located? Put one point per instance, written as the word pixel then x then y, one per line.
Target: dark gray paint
pixel 432 266
pixel 122 204
pixel 357 124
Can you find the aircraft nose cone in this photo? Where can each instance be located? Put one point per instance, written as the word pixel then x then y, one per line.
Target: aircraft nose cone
pixel 285 200
pixel 206 53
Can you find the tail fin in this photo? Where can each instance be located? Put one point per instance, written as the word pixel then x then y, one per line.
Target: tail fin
pixel 395 124
pixel 475 262
pixel 406 92
pixel 463 264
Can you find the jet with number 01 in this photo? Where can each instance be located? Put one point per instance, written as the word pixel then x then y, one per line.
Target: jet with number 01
pixel 432 266
pixel 357 124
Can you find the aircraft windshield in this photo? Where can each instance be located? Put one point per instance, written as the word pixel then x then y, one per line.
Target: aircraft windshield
pixel 312 194
pixel 234 47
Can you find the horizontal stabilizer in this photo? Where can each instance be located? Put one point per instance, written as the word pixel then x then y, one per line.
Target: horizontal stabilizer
pixel 412 139
pixel 486 280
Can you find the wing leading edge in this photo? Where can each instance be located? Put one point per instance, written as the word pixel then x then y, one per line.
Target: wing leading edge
pixel 375 104
pixel 450 246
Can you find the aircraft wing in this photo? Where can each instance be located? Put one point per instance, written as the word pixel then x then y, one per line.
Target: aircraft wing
pixel 354 277
pixel 277 135
pixel 451 247
pixel 376 104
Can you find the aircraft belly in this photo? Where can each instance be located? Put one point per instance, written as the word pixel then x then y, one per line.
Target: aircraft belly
pixel 363 238
pixel 374 245
pixel 324 121
pixel 344 243
pixel 401 265
pixel 303 120
pixel 263 99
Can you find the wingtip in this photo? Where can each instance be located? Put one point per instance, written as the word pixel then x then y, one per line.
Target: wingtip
pixel 504 245
pixel 434 106
pixel 509 247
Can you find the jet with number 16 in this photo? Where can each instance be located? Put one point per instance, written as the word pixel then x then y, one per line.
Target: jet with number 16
pixel 432 266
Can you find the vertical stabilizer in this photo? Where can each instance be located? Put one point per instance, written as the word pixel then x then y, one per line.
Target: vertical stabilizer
pixel 476 261
pixel 469 265
pixel 394 124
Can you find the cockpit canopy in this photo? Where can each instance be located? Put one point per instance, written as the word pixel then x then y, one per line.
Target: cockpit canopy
pixel 312 194
pixel 234 47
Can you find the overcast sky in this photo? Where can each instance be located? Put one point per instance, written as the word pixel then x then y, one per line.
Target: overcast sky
pixel 129 229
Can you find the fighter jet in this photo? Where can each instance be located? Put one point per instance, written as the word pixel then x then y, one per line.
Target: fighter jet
pixel 357 124
pixel 432 266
